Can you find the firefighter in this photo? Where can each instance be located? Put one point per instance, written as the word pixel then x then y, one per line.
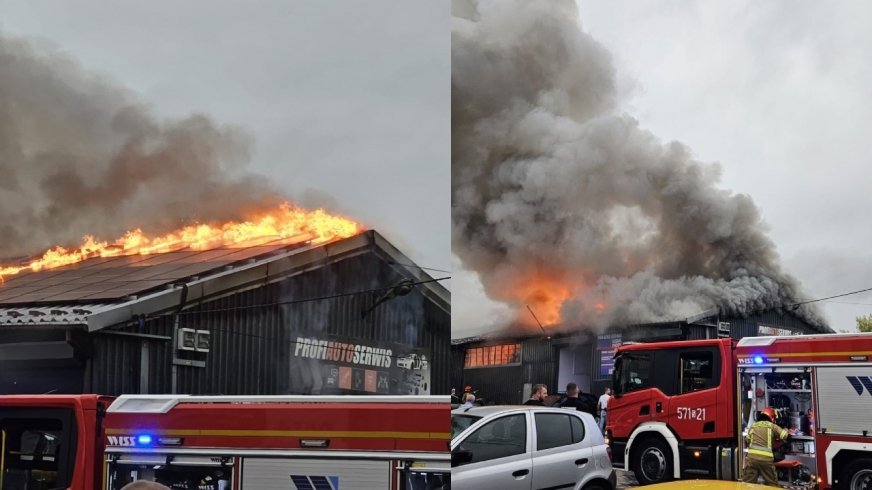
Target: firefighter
pixel 760 461
pixel 144 485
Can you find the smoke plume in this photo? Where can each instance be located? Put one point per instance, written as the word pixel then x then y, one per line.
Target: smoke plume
pixel 563 203
pixel 79 156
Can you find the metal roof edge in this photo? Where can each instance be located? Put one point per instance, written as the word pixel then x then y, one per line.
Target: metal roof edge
pixel 258 273
pixel 433 290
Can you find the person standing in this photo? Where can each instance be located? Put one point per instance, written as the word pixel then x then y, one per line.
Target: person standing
pixel 538 395
pixel 760 461
pixel 601 407
pixel 571 400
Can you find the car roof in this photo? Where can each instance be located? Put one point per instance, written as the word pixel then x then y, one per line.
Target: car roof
pixel 496 409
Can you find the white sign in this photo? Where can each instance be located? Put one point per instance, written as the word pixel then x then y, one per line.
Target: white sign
pixel 776 331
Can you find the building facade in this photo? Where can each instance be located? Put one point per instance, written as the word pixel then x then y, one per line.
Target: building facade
pixel 354 316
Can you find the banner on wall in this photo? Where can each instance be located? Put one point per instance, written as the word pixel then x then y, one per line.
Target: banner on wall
pixel 605 348
pixel 766 330
pixel 365 367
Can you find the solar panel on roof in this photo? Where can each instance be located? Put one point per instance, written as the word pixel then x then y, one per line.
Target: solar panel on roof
pixel 113 278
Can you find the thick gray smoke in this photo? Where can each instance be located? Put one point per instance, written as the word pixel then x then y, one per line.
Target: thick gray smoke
pixel 81 156
pixel 550 180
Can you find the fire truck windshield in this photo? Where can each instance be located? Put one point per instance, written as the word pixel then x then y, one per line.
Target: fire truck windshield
pixel 632 373
pixel 35 447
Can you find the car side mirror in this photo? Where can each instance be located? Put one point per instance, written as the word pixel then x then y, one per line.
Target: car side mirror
pixel 460 457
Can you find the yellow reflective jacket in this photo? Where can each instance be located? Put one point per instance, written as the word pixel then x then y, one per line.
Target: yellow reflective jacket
pixel 759 437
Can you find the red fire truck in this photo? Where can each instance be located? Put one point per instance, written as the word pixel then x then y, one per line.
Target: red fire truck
pixel 679 409
pixel 90 442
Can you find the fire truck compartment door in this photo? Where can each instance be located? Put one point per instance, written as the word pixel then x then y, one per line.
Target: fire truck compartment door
pixel 844 396
pixel 306 474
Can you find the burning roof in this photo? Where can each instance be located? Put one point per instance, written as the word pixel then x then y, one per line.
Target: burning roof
pixel 285 223
pixel 104 291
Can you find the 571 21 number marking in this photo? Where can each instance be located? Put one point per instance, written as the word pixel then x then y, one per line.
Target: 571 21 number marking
pixel 687 413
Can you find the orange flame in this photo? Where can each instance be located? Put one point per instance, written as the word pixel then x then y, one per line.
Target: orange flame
pixel 539 296
pixel 542 293
pixel 287 221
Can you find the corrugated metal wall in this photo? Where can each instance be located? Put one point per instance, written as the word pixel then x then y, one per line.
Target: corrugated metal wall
pixel 748 327
pixel 253 331
pixel 504 384
pixel 539 358
pixel 498 385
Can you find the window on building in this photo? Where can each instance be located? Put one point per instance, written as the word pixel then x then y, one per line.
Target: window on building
pixel 493 355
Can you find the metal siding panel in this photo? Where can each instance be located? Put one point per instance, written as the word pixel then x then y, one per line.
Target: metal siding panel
pixel 699 332
pixel 116 365
pixel 539 359
pixel 275 473
pixel 842 410
pixel 499 385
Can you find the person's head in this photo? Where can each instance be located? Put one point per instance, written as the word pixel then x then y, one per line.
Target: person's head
pixel 767 413
pixel 572 390
pixel 539 392
pixel 144 485
pixel 469 398
pixel 607 391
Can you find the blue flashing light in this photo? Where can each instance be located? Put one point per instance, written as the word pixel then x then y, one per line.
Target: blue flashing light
pixel 143 440
pixel 758 359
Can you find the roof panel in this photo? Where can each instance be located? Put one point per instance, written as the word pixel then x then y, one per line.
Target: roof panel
pixel 113 278
pixel 189 270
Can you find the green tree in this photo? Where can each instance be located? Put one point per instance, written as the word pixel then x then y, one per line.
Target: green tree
pixel 864 323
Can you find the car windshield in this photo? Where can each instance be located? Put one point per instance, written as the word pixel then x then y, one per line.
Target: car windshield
pixel 460 422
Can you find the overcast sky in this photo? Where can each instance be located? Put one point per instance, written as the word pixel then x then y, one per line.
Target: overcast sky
pixel 347 102
pixel 778 94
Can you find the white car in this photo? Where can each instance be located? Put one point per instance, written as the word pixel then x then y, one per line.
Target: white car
pixel 405 362
pixel 413 361
pixel 528 447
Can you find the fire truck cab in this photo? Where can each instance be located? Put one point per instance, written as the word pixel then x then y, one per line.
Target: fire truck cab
pixel 680 409
pixel 672 408
pixel 226 443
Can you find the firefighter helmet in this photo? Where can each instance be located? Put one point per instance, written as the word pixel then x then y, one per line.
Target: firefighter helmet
pixel 769 412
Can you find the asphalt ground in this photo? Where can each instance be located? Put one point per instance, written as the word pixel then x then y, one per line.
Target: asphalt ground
pixel 626 479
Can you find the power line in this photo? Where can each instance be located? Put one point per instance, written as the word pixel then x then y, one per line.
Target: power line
pixel 795 305
pixel 419 267
pixel 537 321
pixel 850 303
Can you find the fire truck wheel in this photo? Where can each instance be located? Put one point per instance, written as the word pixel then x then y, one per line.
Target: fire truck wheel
pixel 857 475
pixel 652 462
